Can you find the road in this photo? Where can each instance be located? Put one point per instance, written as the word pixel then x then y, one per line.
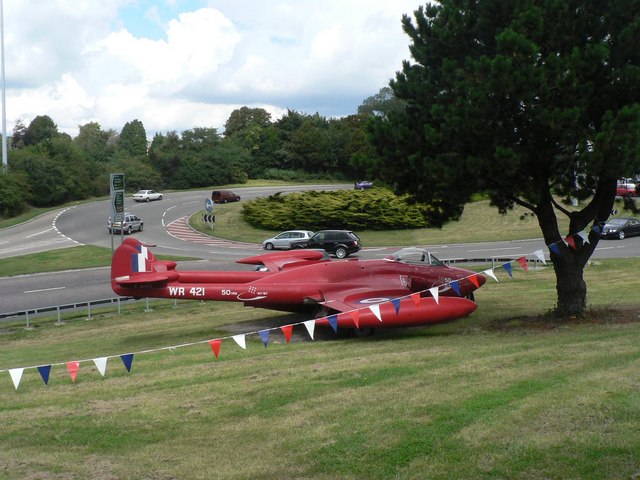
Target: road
pixel 163 221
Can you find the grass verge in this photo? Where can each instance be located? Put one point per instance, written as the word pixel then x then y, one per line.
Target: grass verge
pixel 480 222
pixel 496 395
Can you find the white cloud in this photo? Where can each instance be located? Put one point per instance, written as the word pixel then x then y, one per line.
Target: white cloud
pixel 84 61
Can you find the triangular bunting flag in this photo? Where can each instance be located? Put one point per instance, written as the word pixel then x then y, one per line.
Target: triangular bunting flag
pixel 523 263
pixel 507 267
pixel 73 368
pixel 287 329
pixel 127 359
pixel 583 235
pixel 44 373
pixel 489 272
pixel 540 256
pixel 264 335
pixel 474 279
pixel 597 229
pixel 16 376
pixel 355 316
pixel 215 346
pixel 396 304
pixel 310 326
pixel 555 249
pixel 434 291
pixel 456 287
pixel 569 240
pixel 376 311
pixel 101 365
pixel 240 340
pixel 333 321
pixel 416 297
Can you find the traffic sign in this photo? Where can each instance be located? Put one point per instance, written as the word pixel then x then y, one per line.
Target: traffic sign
pixel 117 181
pixel 118 202
pixel 208 205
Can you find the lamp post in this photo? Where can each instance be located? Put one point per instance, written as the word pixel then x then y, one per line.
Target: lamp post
pixel 4 101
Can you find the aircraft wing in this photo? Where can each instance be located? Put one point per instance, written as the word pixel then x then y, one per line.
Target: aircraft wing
pixel 280 260
pixel 354 298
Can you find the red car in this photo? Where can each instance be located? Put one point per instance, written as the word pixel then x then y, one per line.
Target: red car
pixel 626 189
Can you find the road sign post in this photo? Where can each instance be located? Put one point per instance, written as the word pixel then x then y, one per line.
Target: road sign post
pixel 116 182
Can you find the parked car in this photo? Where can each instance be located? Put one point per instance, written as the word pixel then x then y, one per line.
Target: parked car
pixel 362 185
pixel 340 243
pixel 224 196
pixel 131 224
pixel 146 196
pixel 284 239
pixel 621 228
pixel 626 189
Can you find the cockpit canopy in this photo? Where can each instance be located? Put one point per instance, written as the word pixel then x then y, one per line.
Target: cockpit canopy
pixel 415 256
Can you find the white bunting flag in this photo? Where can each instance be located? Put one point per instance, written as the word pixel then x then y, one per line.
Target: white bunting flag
pixel 376 311
pixel 101 365
pixel 540 255
pixel 434 293
pixel 311 325
pixel 491 274
pixel 16 376
pixel 583 235
pixel 240 340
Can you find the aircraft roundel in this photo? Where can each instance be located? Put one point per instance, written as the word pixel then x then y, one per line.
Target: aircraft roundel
pixel 373 300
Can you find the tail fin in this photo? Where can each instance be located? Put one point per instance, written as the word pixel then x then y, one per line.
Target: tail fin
pixel 134 264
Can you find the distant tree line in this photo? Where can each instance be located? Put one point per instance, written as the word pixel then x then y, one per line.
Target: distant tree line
pixel 48 168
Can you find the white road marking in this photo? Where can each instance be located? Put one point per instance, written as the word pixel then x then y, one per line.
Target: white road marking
pixel 44 290
pixel 40 233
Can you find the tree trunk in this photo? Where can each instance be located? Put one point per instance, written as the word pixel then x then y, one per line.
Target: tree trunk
pixel 568 262
pixel 570 285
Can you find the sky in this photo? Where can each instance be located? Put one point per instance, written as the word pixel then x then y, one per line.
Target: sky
pixel 180 64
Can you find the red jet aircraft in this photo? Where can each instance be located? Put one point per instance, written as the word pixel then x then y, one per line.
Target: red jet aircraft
pixel 410 287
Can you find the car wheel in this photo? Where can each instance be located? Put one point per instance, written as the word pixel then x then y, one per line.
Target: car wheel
pixel 268 246
pixel 341 252
pixel 141 225
pixel 621 235
pixel 160 197
pixel 148 199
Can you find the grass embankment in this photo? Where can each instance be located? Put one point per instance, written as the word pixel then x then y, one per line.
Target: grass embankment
pixel 496 395
pixel 479 222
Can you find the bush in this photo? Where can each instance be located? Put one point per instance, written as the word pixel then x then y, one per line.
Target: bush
pixel 374 209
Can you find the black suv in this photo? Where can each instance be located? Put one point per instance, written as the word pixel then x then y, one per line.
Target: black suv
pixel 340 243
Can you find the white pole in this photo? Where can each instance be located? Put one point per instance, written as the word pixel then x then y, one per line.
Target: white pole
pixel 4 108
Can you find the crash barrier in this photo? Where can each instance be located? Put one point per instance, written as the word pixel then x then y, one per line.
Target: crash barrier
pixel 494 261
pixel 58 309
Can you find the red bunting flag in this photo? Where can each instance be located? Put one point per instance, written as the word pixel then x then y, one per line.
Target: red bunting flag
pixel 475 281
pixel 416 298
pixel 355 316
pixel 73 368
pixel 215 346
pixel 570 241
pixel 287 329
pixel 523 263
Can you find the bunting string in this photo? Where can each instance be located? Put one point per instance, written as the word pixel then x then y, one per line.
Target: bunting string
pixel 73 367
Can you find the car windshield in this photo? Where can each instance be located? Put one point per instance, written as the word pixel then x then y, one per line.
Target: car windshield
pixel 415 256
pixel 617 221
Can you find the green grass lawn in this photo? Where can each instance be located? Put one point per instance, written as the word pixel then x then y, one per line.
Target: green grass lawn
pixel 500 394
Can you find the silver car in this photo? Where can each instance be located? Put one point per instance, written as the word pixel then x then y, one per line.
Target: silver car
pixel 127 223
pixel 284 239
